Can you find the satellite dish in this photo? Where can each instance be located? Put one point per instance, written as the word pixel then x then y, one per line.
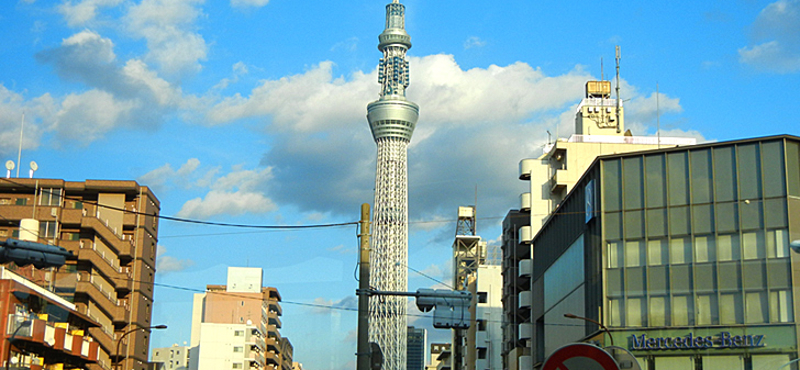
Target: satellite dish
pixel 34 166
pixel 9 165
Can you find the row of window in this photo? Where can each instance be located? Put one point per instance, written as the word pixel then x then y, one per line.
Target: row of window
pixel 702 309
pixel 702 248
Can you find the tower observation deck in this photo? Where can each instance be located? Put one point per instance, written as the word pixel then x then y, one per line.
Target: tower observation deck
pixel 392 119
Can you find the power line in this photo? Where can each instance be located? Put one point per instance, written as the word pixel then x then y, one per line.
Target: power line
pixel 192 221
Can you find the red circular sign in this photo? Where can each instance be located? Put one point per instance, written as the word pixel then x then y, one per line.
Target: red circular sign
pixel 580 356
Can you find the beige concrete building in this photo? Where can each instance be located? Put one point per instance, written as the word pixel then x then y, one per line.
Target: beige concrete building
pixel 238 324
pixel 112 229
pixel 599 130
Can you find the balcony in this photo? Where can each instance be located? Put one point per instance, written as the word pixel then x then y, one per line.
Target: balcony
pixel 525 268
pixel 49 341
pixel 525 236
pixel 525 299
pixel 525 362
pixel 112 238
pixel 525 167
pixel 525 331
pixel 525 202
pixel 558 182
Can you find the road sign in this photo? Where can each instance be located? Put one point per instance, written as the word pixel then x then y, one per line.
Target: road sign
pixel 580 356
pixel 625 359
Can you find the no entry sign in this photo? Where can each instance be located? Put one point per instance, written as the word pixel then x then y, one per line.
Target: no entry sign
pixel 580 356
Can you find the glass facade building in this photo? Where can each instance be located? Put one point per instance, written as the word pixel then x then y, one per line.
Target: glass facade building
pixel 685 257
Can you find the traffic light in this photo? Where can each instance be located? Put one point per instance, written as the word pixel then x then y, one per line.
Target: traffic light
pixel 39 255
pixel 451 307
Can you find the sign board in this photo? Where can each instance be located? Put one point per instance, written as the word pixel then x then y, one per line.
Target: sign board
pixel 580 356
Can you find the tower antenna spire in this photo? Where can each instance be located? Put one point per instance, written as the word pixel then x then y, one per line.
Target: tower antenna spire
pixel 392 119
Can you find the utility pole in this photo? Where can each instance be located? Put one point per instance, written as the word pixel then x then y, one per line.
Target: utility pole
pixel 363 350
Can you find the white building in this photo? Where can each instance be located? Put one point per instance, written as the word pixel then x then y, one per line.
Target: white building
pixel 171 358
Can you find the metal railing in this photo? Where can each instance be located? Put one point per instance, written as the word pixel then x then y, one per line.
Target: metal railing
pixel 642 140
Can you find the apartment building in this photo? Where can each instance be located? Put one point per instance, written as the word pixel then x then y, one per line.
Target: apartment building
pixel 111 227
pixel 171 358
pixel 237 326
pixel 43 329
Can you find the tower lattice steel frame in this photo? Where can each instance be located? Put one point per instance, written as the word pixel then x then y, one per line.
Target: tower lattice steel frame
pixel 392 119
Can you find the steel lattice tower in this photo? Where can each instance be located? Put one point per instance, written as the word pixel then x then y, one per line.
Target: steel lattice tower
pixel 392 119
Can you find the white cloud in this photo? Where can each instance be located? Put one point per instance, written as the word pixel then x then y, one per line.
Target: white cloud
pixel 128 94
pixel 13 106
pixel 168 26
pixel 164 177
pixel 86 117
pixel 248 3
pixel 776 39
pixel 81 12
pixel 236 193
pixel 474 42
pixel 166 264
pixel 325 306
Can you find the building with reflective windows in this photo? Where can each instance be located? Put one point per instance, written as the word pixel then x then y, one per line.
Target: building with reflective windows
pixel 683 253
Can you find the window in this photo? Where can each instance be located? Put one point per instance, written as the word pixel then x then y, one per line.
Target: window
pixel 634 253
pixel 482 353
pixel 236 365
pixel 633 312
pixel 705 248
pixel 22 201
pixel 50 197
pixel 482 297
pixel 780 304
pixel 47 229
pixel 755 307
pixel 238 333
pixel 238 349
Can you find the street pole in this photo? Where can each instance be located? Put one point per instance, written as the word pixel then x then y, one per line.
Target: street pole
pixel 363 351
pixel 119 341
pixel 603 327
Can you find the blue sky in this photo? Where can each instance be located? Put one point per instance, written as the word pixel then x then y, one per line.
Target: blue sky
pixel 253 111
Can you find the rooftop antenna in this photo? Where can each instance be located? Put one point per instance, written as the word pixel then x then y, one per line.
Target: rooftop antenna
pixel 618 101
pixel 9 167
pixel 19 154
pixel 34 167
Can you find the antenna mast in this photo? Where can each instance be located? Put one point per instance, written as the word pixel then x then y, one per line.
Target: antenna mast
pixel 618 101
pixel 19 153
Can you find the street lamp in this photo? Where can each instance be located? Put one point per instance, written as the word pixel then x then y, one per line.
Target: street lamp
pixel 23 324
pixel 571 316
pixel 119 341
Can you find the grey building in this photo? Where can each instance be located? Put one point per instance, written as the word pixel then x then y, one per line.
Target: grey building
pixel 417 339
pixel 683 253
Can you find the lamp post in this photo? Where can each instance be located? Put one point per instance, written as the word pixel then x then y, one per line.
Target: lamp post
pixel 119 341
pixel 23 324
pixel 571 316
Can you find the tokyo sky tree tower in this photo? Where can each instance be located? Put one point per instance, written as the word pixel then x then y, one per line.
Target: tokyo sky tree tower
pixel 392 119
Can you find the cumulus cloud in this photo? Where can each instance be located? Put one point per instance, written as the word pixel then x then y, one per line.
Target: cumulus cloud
pixel 168 26
pixel 166 264
pixel 486 117
pixel 120 94
pixel 237 193
pixel 13 106
pixel 775 45
pixel 186 176
pixel 78 13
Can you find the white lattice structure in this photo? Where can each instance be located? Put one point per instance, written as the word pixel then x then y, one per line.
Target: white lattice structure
pixel 392 119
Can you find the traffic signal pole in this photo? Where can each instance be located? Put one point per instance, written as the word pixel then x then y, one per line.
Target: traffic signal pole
pixel 450 307
pixel 363 351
